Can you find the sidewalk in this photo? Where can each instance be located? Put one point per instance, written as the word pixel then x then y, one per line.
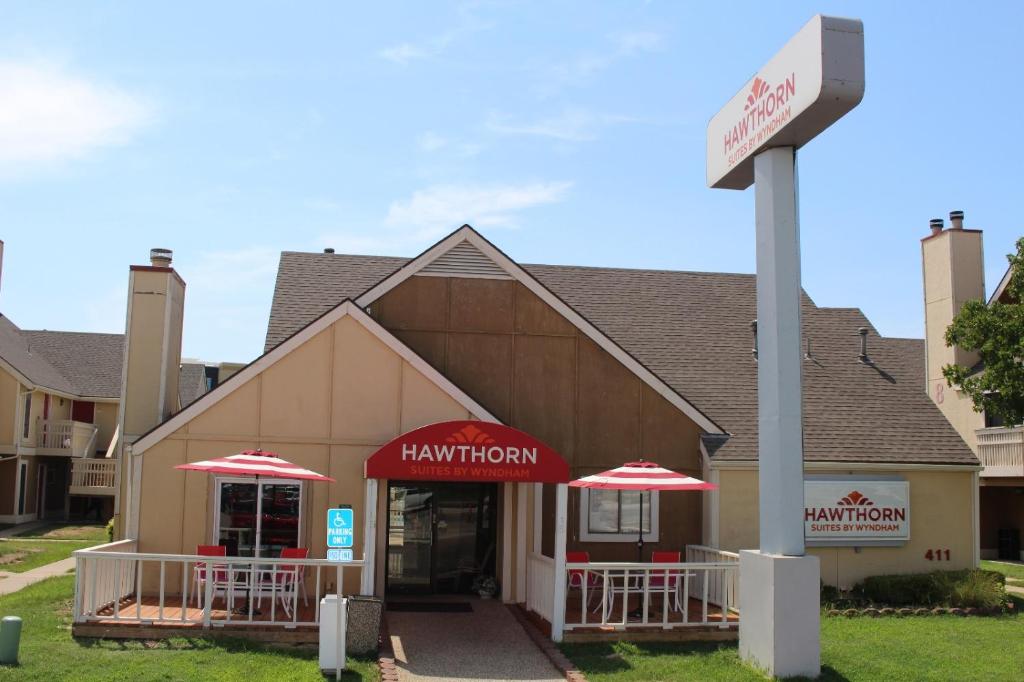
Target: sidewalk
pixel 486 644
pixel 12 582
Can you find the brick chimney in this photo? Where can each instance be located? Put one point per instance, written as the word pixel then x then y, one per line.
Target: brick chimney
pixel 152 356
pixel 953 269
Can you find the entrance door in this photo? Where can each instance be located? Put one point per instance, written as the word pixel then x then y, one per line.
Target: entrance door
pixel 441 536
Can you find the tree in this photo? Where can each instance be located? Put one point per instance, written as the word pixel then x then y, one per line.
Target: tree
pixel 996 333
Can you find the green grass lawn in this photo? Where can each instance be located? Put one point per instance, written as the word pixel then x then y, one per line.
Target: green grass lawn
pixel 48 652
pixel 854 649
pixel 96 533
pixel 19 556
pixel 1014 571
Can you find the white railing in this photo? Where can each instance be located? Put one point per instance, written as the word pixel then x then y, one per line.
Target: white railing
pixel 65 437
pixel 93 476
pixel 99 584
pixel 1001 451
pixel 540 585
pixel 115 584
pixel 624 596
pixel 724 588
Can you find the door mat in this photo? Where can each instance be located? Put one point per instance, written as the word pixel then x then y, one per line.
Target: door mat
pixel 431 606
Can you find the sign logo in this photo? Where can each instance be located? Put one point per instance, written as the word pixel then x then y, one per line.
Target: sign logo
pixel 856 512
pixel 340 528
pixel 767 109
pixel 468 451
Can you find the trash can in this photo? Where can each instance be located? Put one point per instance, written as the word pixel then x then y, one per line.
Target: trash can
pixel 330 656
pixel 1009 544
pixel 10 636
pixel 364 616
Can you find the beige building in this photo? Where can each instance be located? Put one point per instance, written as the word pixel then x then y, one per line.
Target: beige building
pixel 604 365
pixel 953 269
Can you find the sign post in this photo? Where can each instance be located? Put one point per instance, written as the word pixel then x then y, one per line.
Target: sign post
pixel 809 84
pixel 340 538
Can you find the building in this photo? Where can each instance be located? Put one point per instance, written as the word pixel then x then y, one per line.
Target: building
pixel 953 272
pixel 59 401
pixel 377 367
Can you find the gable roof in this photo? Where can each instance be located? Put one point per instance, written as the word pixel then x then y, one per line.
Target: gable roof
pixel 313 327
pixel 31 366
pixel 471 262
pixel 692 330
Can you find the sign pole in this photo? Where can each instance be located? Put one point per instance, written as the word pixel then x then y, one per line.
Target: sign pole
pixel 780 430
pixel 815 79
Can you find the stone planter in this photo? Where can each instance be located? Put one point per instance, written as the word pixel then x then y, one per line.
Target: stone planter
pixel 364 616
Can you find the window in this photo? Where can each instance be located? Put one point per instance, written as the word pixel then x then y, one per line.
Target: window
pixel 614 515
pixel 28 415
pixel 263 517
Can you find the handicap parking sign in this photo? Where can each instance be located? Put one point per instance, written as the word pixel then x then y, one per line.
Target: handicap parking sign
pixel 340 527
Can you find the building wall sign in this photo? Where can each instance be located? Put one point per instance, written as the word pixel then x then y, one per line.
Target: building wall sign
pixel 808 85
pixel 856 512
pixel 468 451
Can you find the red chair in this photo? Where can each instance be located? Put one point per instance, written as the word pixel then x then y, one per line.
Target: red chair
pixel 286 580
pixel 217 572
pixel 580 576
pixel 667 582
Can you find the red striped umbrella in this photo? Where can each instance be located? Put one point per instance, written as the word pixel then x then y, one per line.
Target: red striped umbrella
pixel 255 463
pixel 641 476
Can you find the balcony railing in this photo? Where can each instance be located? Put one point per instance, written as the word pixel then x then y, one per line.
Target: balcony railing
pixel 93 476
pixel 65 437
pixel 1001 451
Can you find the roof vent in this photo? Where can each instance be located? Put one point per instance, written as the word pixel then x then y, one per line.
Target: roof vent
pixel 328 250
pixel 464 260
pixel 936 225
pixel 160 258
pixel 863 357
pixel 956 220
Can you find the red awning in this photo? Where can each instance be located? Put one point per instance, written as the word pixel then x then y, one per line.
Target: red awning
pixel 468 451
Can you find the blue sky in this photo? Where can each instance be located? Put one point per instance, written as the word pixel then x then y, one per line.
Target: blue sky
pixel 566 132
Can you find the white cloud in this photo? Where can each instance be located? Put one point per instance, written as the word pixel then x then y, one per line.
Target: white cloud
pixel 583 67
pixel 431 212
pixel 48 114
pixel 430 141
pixel 572 125
pixel 404 53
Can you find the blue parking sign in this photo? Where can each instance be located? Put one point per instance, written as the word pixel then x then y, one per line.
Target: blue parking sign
pixel 340 527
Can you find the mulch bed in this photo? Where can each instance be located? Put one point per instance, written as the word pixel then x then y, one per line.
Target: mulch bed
pixel 921 611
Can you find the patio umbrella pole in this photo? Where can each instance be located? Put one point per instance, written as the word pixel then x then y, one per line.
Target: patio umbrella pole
pixel 640 541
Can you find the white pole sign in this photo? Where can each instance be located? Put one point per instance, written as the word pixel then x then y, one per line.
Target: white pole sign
pixel 806 87
pixel 816 78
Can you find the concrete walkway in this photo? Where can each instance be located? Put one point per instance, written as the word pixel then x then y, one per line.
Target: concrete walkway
pixel 12 582
pixel 487 644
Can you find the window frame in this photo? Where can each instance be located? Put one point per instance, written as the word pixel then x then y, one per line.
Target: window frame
pixel 251 480
pixel 587 536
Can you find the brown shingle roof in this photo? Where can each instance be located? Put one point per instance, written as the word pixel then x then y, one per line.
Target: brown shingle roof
pixel 90 362
pixel 693 330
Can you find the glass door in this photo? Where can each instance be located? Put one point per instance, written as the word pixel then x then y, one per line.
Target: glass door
pixel 410 537
pixel 441 536
pixel 258 519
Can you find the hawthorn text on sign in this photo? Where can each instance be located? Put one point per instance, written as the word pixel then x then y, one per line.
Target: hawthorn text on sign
pixel 340 528
pixel 807 86
pixel 854 512
pixel 468 451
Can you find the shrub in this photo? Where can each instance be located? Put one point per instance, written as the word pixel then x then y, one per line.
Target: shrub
pixel 977 588
pixel 110 530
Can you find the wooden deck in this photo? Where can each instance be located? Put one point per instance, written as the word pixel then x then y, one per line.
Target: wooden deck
pixel 145 621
